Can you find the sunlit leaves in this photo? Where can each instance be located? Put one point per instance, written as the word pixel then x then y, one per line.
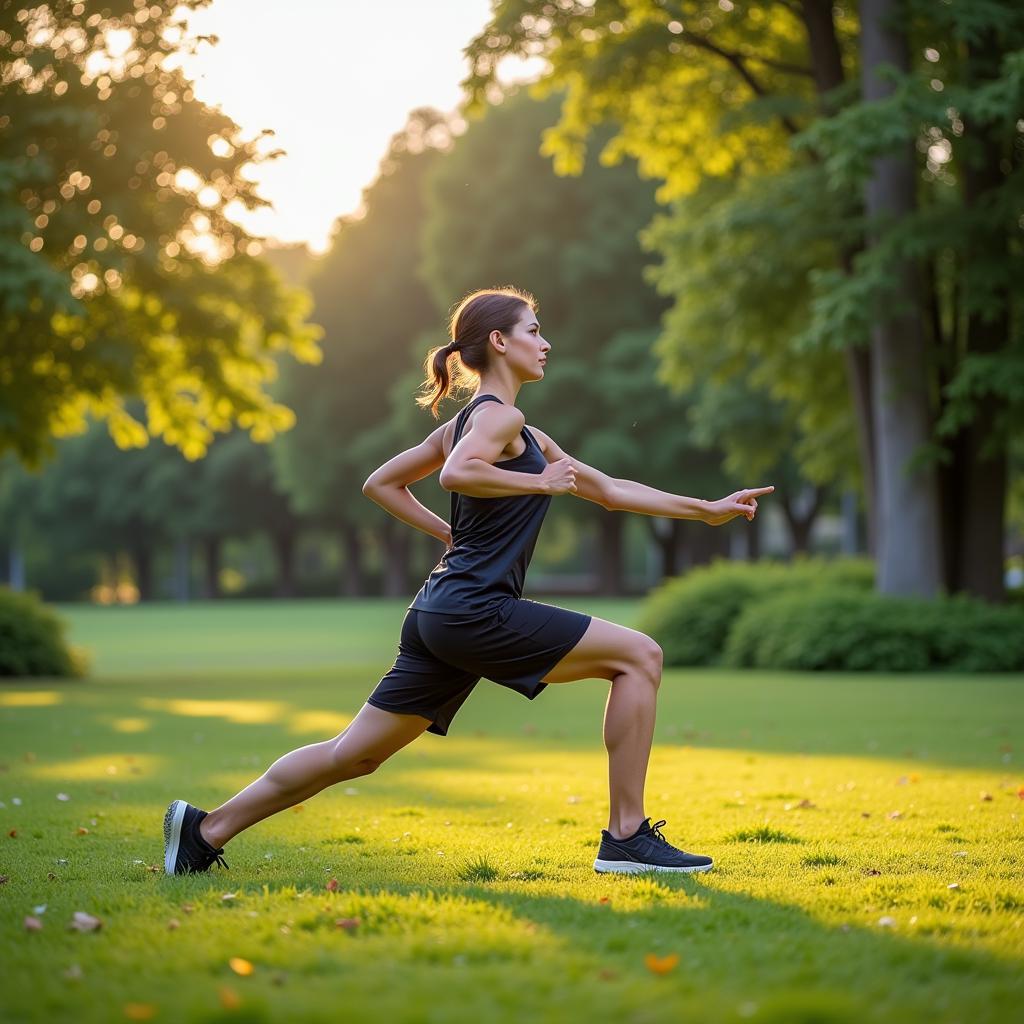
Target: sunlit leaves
pixel 116 186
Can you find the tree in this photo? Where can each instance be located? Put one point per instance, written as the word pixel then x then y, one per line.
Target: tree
pixel 121 273
pixel 703 92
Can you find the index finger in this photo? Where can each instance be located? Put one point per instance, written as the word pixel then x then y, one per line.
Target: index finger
pixel 761 490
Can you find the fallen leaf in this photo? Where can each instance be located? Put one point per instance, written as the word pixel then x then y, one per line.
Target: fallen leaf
pixel 83 922
pixel 661 964
pixel 604 899
pixel 82 831
pixel 332 885
pixel 350 924
pixel 865 814
pixel 229 998
pixel 887 922
pixel 33 924
pixel 240 966
pixel 49 874
pixel 188 907
pixel 895 814
pixel 4 878
pixel 172 924
pixel 13 833
pixel 985 796
pixel 139 1011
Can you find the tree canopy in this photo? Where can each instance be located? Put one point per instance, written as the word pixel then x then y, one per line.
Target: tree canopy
pixel 122 273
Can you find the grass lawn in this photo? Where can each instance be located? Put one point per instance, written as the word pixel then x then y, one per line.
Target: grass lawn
pixel 866 832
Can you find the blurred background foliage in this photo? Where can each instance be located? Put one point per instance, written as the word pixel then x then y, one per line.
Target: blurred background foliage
pixel 185 411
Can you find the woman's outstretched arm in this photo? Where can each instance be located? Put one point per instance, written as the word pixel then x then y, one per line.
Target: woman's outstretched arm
pixel 629 496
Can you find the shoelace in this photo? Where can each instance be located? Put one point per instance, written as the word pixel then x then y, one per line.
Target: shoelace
pixel 219 859
pixel 655 830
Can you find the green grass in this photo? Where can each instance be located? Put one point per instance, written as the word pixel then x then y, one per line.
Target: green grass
pixel 866 834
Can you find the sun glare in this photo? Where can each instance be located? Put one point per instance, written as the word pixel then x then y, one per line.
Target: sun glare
pixel 333 82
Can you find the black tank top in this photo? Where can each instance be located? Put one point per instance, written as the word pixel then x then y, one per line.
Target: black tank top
pixel 492 539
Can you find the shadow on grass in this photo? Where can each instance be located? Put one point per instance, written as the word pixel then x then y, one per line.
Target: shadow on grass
pixel 739 956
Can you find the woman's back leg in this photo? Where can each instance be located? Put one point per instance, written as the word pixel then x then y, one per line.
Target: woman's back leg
pixel 365 744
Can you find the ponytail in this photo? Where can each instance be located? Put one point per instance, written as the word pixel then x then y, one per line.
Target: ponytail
pixel 470 326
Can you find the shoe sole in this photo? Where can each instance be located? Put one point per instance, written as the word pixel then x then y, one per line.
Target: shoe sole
pixel 631 867
pixel 172 833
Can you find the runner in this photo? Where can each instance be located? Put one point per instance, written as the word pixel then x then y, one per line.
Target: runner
pixel 469 620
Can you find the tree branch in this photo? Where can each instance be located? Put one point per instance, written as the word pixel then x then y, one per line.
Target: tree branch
pixel 738 62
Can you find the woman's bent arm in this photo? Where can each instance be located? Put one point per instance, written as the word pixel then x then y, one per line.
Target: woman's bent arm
pixel 400 502
pixel 480 479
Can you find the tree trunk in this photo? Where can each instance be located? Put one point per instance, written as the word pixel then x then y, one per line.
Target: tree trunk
pixel 801 522
pixel 909 554
pixel 827 68
pixel 666 534
pixel 754 540
pixel 211 567
pixel 610 555
pixel 284 552
pixel 182 568
pixel 703 544
pixel 976 481
pixel 396 558
pixel 353 573
pixel 142 559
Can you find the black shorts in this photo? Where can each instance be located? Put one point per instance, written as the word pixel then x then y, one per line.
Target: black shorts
pixel 442 656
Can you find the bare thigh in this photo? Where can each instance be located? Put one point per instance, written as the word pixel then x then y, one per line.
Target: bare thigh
pixel 374 735
pixel 604 651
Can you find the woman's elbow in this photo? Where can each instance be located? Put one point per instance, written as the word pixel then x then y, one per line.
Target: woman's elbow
pixel 447 480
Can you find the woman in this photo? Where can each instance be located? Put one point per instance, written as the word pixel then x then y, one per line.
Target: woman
pixel 469 620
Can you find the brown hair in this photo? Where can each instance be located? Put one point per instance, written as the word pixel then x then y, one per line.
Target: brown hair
pixel 470 325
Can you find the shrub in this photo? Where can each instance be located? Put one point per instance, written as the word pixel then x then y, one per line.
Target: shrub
pixel 690 616
pixel 32 639
pixel 842 629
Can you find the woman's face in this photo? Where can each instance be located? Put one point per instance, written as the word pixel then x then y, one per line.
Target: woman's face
pixel 525 347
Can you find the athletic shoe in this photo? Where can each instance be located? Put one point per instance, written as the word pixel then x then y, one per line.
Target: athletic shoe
pixel 185 850
pixel 646 850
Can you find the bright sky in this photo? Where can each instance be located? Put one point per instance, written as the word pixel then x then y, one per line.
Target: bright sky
pixel 334 79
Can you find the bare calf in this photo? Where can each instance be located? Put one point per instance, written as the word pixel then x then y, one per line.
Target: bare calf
pixel 633 662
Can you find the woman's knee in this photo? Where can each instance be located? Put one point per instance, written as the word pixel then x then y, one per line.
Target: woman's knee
pixel 347 764
pixel 649 660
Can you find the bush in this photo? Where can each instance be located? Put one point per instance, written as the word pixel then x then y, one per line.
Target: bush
pixel 842 629
pixel 32 639
pixel 690 616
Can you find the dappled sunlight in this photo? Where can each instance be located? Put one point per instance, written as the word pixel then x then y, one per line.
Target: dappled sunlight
pixel 30 699
pixel 241 712
pixel 131 725
pixel 124 767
